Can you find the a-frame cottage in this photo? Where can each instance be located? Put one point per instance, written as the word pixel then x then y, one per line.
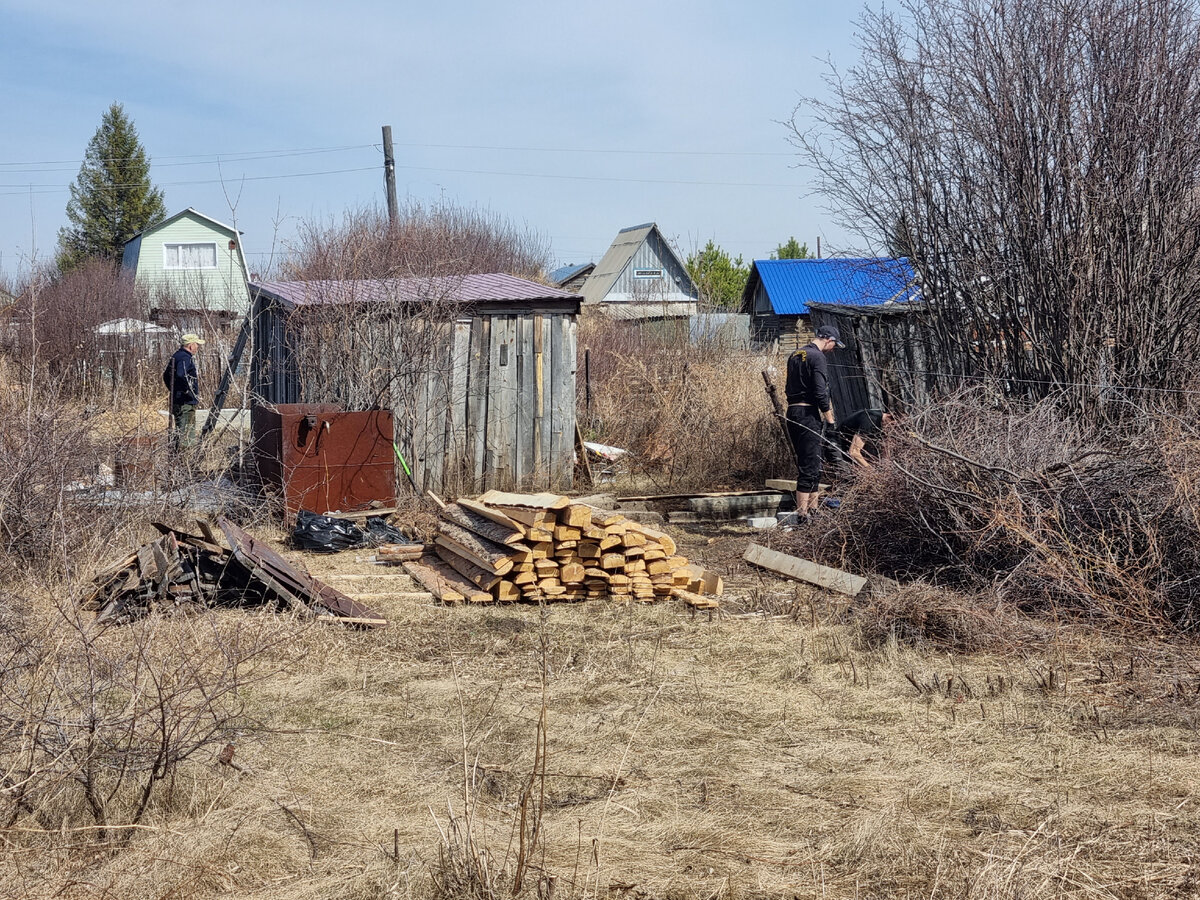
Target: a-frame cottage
pixel 641 277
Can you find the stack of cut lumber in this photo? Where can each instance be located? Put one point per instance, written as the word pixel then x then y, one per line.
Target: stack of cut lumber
pixel 535 547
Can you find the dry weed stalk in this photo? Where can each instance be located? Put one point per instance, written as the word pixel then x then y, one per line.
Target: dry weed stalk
pixel 466 865
pixel 692 415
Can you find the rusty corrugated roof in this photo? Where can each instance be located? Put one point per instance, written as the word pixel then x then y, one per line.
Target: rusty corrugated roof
pixel 460 289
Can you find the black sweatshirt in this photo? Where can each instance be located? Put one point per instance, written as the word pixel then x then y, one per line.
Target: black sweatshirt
pixel 808 378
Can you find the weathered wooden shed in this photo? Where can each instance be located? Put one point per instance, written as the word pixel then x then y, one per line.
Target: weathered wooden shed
pixel 478 370
pixel 891 360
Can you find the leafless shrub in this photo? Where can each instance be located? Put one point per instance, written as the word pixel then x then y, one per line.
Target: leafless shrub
pixel 443 239
pixel 691 415
pixel 95 725
pixel 51 329
pixel 1038 162
pixel 1042 512
pixel 45 451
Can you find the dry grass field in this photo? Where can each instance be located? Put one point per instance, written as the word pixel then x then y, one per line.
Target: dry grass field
pixel 771 749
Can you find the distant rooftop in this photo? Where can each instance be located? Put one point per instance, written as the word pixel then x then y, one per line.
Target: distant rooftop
pixel 563 274
pixel 458 289
pixel 792 284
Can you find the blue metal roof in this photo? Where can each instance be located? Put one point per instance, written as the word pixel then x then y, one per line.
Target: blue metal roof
pixel 564 274
pixel 792 284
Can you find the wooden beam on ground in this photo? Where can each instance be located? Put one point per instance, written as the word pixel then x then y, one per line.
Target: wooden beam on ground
pixel 471 592
pixel 647 497
pixel 804 570
pixel 450 555
pixel 696 601
pixel 397 553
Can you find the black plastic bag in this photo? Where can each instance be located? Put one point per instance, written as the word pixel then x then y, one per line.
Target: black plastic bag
pixel 380 532
pixel 325 534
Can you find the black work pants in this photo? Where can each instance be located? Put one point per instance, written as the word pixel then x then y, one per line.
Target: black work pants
pixel 805 428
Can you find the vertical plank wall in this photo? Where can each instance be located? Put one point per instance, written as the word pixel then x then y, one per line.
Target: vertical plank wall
pixel 496 408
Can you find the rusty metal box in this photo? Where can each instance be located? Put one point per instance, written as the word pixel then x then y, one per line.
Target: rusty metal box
pixel 320 457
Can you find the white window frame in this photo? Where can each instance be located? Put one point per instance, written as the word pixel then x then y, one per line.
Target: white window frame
pixel 167 245
pixel 648 273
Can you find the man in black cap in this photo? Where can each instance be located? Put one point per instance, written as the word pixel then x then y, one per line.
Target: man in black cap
pixel 809 410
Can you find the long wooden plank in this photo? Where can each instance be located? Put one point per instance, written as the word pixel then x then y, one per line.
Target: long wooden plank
pixel 502 402
pixel 642 497
pixel 477 397
pixel 667 542
pixel 541 424
pixel 394 553
pixel 433 582
pixel 496 515
pixel 457 457
pixel 437 405
pixel 533 501
pixel 481 525
pixel 696 601
pixel 805 570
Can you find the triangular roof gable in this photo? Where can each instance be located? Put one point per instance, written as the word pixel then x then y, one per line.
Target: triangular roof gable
pixel 133 246
pixel 179 215
pixel 791 284
pixel 624 247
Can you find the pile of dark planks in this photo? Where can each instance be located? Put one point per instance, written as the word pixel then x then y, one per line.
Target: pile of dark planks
pixel 182 572
pixel 542 547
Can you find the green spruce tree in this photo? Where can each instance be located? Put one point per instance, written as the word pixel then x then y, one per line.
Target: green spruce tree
pixel 719 278
pixel 791 250
pixel 112 198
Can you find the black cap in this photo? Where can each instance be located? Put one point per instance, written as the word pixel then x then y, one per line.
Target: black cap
pixel 831 333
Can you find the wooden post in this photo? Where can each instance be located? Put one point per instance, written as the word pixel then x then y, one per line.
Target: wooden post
pixel 587 383
pixel 777 405
pixel 389 176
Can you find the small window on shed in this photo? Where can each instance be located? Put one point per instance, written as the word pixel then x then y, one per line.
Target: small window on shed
pixel 201 255
pixel 647 273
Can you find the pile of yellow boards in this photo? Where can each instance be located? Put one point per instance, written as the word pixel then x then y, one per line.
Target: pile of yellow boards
pixel 542 547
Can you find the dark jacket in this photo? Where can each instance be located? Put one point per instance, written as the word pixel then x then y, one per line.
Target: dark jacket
pixel 808 378
pixel 181 380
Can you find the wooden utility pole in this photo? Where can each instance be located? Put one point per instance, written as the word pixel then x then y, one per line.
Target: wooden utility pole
pixel 389 175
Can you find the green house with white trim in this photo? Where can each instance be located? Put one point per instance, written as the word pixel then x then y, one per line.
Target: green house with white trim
pixel 190 263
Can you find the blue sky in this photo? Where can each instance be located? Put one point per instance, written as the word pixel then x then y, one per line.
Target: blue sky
pixel 572 120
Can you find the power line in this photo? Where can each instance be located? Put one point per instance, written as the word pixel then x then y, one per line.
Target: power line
pixel 202 158
pixel 599 178
pixel 614 150
pixel 233 179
